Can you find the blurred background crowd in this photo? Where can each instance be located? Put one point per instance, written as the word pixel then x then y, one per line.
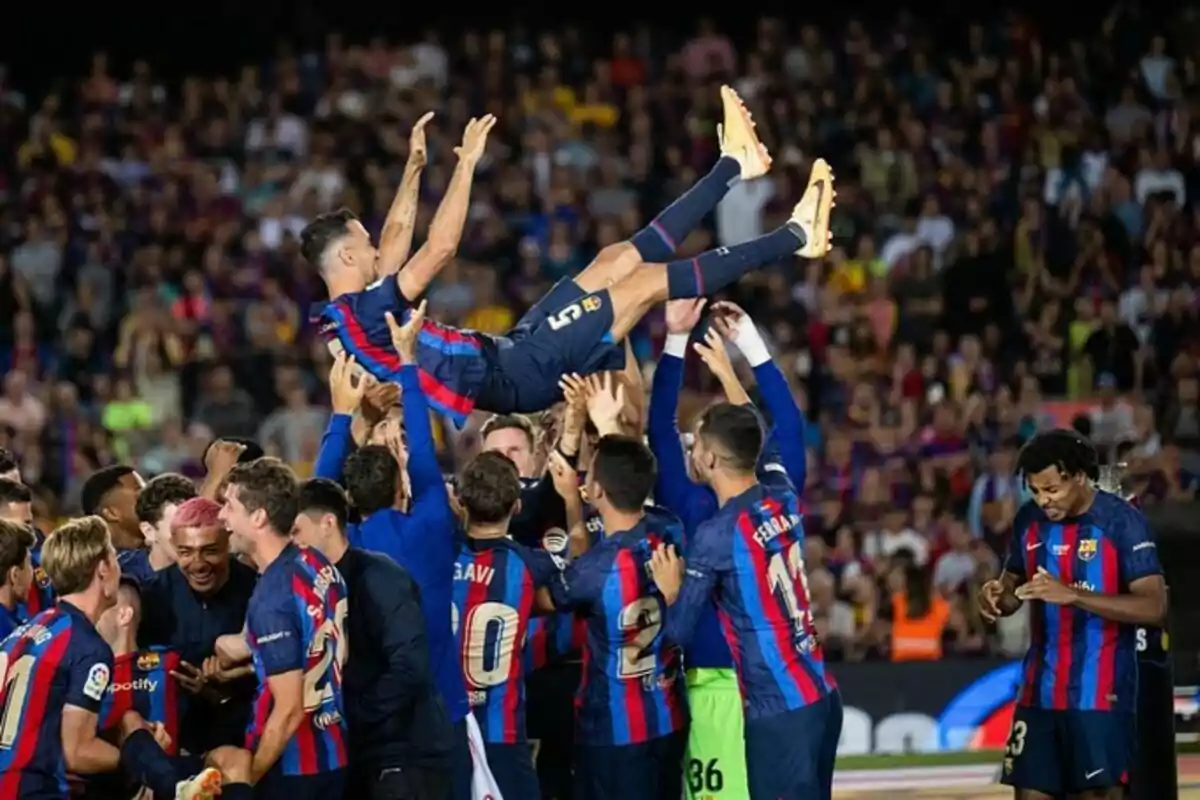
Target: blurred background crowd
pixel 1017 246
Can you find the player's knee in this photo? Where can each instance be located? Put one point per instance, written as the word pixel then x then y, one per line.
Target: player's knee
pixel 233 762
pixel 613 263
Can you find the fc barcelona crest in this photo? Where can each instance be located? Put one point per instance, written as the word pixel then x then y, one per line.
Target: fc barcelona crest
pixel 148 661
pixel 1087 549
pixel 591 304
pixel 41 578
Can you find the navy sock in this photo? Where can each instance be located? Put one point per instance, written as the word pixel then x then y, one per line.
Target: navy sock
pixel 657 241
pixel 714 270
pixel 237 791
pixel 144 761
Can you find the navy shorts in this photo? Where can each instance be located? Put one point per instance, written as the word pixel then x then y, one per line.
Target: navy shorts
pixel 1056 752
pixel 647 771
pixel 567 331
pixel 790 756
pixel 323 786
pixel 512 767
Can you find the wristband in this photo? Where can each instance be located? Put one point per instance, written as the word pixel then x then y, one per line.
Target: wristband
pixel 676 345
pixel 751 343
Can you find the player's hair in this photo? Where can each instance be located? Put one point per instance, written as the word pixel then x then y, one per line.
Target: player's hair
pixel 371 475
pixel 161 491
pixel 8 462
pixel 505 422
pixel 323 496
pixel 323 231
pixel 73 551
pixel 16 540
pixel 625 469
pixel 197 512
pixel 99 484
pixel 1062 448
pixel 489 488
pixel 251 450
pixel 736 430
pixel 269 485
pixel 13 492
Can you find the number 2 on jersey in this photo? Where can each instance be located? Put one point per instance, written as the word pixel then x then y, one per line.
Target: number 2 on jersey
pixel 640 622
pixel 14 682
pixel 318 687
pixel 785 576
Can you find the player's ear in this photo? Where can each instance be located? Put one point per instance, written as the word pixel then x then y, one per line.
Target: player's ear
pixel 516 509
pixel 148 531
pixel 125 616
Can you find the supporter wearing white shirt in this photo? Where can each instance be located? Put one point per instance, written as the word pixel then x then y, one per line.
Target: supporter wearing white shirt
pixel 740 213
pixel 892 537
pixel 934 229
pixel 1157 176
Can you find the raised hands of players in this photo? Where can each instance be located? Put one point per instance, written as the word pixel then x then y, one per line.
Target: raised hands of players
pixel 1045 587
pixel 345 390
pixel 378 400
pixel 566 480
pixel 404 337
pixel 392 433
pixel 727 318
pixel 666 567
pixel 475 139
pixel 715 355
pixel 605 402
pixel 575 412
pixel 418 153
pixel 222 457
pixel 683 315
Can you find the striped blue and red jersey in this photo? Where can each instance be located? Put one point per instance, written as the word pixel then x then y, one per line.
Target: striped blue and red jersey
pixel 552 638
pixel 142 682
pixel 41 594
pixel 453 363
pixel 750 559
pixel 632 689
pixel 494 585
pixel 295 623
pixel 1079 660
pixel 55 660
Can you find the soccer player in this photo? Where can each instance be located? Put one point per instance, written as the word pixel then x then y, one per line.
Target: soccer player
pixel 142 681
pixel 422 540
pixel 156 505
pixel 632 711
pixel 295 636
pixel 16 573
pixel 495 580
pixel 186 607
pixel 749 558
pixel 111 493
pixel 577 327
pixel 16 505
pixel 1085 558
pixel 400 733
pixel 54 674
pixel 716 763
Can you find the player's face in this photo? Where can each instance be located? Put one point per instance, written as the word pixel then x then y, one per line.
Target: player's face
pixel 237 519
pixel 313 530
pixel 21 578
pixel 109 574
pixel 1058 495
pixel 160 535
pixel 123 501
pixel 514 444
pixel 203 556
pixel 17 512
pixel 701 460
pixel 357 252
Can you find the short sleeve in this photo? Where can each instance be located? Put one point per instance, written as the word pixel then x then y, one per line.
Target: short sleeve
pixel 1137 554
pixel 89 673
pixel 381 296
pixel 582 580
pixel 1015 562
pixel 272 621
pixel 543 566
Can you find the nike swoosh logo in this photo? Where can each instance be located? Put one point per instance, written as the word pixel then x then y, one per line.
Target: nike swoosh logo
pixel 1087 776
pixel 1034 546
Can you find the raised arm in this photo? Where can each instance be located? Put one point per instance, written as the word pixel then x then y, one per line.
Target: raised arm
pixel 345 395
pixel 446 230
pixel 673 489
pixel 395 241
pixel 788 433
pixel 424 472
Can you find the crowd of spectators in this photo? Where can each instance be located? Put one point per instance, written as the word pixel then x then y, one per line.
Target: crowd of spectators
pixel 1017 246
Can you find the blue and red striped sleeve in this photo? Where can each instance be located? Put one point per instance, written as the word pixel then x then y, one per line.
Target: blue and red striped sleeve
pixel 1137 554
pixel 271 621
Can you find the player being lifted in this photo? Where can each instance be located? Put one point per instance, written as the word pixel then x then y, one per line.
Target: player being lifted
pixel 577 327
pixel 1085 558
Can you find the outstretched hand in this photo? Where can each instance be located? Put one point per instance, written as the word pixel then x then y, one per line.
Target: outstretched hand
pixel 404 337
